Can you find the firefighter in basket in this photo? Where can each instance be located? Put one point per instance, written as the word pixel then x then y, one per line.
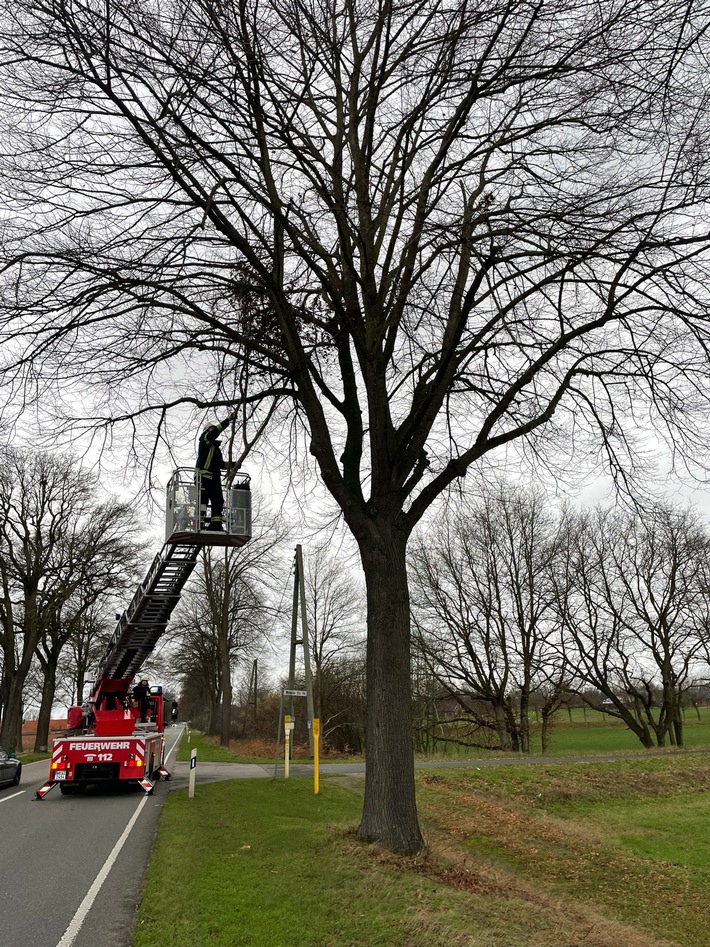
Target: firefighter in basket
pixel 210 464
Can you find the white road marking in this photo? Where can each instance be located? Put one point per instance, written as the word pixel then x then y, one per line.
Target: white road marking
pixel 75 924
pixel 5 798
pixel 175 743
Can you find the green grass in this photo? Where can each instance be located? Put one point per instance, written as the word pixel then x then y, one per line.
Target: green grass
pixel 603 734
pixel 265 863
pixel 596 854
pixel 665 830
pixel 582 735
pixel 628 838
pixel 208 751
pixel 31 757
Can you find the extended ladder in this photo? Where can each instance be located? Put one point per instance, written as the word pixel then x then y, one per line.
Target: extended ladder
pixel 147 616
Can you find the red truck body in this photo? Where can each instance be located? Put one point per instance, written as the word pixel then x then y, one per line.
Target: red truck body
pixel 80 761
pixel 122 748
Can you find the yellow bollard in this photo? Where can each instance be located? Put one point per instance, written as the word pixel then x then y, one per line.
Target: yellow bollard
pixel 316 741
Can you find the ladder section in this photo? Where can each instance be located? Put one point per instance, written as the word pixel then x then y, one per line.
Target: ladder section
pixel 144 621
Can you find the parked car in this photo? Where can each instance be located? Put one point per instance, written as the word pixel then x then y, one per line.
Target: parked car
pixel 10 768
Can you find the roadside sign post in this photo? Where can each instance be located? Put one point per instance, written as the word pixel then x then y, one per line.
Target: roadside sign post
pixel 193 773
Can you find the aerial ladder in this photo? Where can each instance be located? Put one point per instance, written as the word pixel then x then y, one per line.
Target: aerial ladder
pixel 117 735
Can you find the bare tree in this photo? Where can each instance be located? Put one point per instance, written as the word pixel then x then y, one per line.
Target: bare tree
pixel 335 607
pixel 219 628
pixel 485 607
pixel 635 605
pixel 58 544
pixel 99 559
pixel 85 647
pixel 40 496
pixel 224 619
pixel 418 232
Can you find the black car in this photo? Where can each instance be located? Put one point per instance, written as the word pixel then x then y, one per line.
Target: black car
pixel 10 769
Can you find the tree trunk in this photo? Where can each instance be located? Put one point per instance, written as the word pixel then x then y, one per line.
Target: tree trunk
pixel 524 721
pixel 225 726
pixel 16 677
pixel 679 726
pixel 502 727
pixel 512 727
pixel 389 813
pixel 49 687
pixel 548 723
pixel 12 718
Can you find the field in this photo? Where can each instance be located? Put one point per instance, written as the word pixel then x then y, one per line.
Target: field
pixel 590 732
pixel 599 854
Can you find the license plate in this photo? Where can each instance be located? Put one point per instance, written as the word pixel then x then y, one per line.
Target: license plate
pixel 60 774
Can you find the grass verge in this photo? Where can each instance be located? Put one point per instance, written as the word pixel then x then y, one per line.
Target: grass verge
pixel 594 854
pixel 32 757
pixel 208 750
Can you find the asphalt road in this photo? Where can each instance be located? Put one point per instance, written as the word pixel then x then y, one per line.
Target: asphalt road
pixel 71 867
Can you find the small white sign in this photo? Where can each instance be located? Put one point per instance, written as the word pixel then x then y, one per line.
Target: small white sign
pixel 288 693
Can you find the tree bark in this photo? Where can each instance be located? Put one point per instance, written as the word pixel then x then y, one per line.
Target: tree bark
pixel 226 689
pixel 12 718
pixel 389 814
pixel 49 686
pixel 501 727
pixel 11 731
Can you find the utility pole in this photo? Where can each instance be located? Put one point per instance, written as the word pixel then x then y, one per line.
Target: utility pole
pixel 299 598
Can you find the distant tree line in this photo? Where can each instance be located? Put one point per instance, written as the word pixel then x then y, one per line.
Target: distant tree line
pixel 519 607
pixel 521 610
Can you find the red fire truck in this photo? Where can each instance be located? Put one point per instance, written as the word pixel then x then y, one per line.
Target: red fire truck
pixel 117 735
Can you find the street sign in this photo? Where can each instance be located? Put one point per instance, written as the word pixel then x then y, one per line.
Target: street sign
pixel 288 693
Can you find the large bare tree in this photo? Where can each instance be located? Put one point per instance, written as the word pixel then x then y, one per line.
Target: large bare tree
pixel 99 562
pixel 419 231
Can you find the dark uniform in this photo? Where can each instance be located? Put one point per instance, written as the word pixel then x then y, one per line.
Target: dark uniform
pixel 210 464
pixel 141 693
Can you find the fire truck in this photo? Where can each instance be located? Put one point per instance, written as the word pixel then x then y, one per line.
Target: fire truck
pixel 117 735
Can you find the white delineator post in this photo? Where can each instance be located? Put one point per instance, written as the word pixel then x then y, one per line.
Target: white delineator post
pixel 193 773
